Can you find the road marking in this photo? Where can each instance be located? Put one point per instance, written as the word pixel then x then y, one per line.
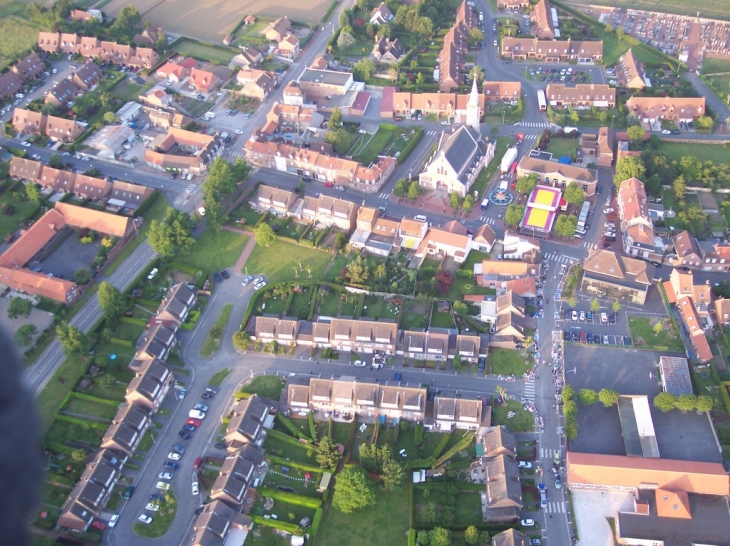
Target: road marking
pixel 384 195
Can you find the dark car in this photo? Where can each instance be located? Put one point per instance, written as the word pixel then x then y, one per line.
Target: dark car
pixel 220 445
pixel 207 396
pixel 575 336
pixel 128 492
pixel 676 132
pixel 481 364
pixel 590 337
pixel 211 389
pixel 612 318
pixel 189 428
pixel 173 176
pixel 156 497
pixel 184 435
pixel 397 376
pixel 567 313
pixel 225 274
pixel 218 278
pixel 599 189
pixel 171 466
pixel 177 448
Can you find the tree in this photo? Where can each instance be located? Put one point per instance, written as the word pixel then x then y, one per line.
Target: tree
pixel 172 236
pixel 429 513
pixel 609 29
pixel 24 335
pixel 56 162
pixel 629 167
pixel 678 188
pixel 353 490
pixel 636 134
pixel 112 302
pixel 340 240
pixel 440 537
pixel 608 397
pixel 457 363
pixel 335 118
pixel 339 138
pixel 381 272
pixel 461 308
pixel 477 73
pixel 420 79
pixel 514 214
pixel 468 288
pixel 658 327
pixel 328 455
pixel 128 19
pixel 414 190
pixel 574 194
pixel 19 307
pixel 471 535
pixel 572 301
pixel 358 270
pixel 704 404
pixel 393 474
pixel 587 397
pixel 704 123
pixel 73 341
pixel 526 184
pixel 79 455
pixel 264 234
pixel 345 19
pixel 595 305
pixel 401 187
pixel 33 192
pixel 468 203
pixel 475 37
pixel 616 306
pixel 241 340
pixel 665 401
pixel 455 200
pixel 620 33
pixel 422 539
pixel 364 70
pixel 568 393
pixel 686 402
pixel 565 225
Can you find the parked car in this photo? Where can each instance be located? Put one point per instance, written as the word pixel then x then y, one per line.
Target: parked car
pixel 558 481
pixel 113 520
pixel 156 497
pixel 188 428
pixel 604 318
pixel 152 507
pixel 196 414
pixel 582 316
pixel 195 488
pixel 612 318
pixel 177 448
pixel 184 435
pixel 525 464
pixel 128 492
pixel 259 285
pixel 200 407
pixel 193 422
pixel 163 486
pixel 174 456
pixel 220 445
pixel 218 278
pixel 170 465
pixel 225 274
pixel 164 476
pixel 589 316
pixel 527 523
pixel 206 396
pixel 247 280
pixel 590 337
pixel 99 525
pixel 609 210
pixel 582 338
pixel 198 462
pixel 144 518
pixel 211 389
pixel 574 316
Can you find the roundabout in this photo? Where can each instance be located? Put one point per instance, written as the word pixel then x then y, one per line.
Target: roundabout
pixel 500 197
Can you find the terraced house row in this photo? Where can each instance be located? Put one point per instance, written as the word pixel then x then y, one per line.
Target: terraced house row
pixel 92 47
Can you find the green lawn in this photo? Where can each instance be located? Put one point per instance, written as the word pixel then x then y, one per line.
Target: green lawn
pixel 283 449
pixel 523 420
pixel 54 393
pixel 219 377
pixel 413 320
pixel 643 335
pixel 207 52
pixel 378 308
pixel 376 145
pixel 245 214
pixel 255 31
pixel 300 305
pixel 441 320
pixel 506 361
pixel 23 210
pixel 560 147
pixel 161 520
pixel 90 408
pixel 215 251
pixel 64 431
pixel 278 261
pixel 613 48
pixel 268 386
pixel 704 152
pixel 384 523
pixel 215 335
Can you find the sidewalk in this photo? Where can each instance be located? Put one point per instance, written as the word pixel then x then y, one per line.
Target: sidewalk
pixel 248 249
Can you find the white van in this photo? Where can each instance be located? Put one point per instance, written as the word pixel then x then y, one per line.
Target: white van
pixel 210 114
pixel 420 218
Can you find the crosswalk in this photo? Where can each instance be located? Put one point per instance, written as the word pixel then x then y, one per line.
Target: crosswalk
pixel 535 124
pixel 191 188
pixel 588 245
pixel 557 507
pixel 529 138
pixel 559 258
pixel 530 390
pixel 384 195
pixel 433 133
pixel 548 453
pixel 486 220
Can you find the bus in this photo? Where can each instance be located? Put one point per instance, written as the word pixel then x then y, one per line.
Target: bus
pixel 541 100
pixel 583 217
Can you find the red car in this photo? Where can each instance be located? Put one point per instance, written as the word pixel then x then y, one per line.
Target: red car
pixel 198 462
pixel 582 337
pixel 194 422
pixel 100 525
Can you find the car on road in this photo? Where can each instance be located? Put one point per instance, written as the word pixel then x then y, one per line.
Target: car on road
pixel 193 422
pixel 128 492
pixel 246 280
pixel 200 407
pixel 195 488
pixel 177 448
pixel 397 376
pixel 238 131
pixel 212 390
pixel 184 435
pixel 152 507
pixel 609 210
pixel 196 414
pixel 558 481
pixel 171 466
pixel 25 144
pixel 163 486
pixel 543 499
pixel 360 363
pixel 666 132
pixel 225 274
pixel 36 157
pixel 527 522
pixel 206 396
pixel 165 476
pixel 526 464
pixel 144 518
pixel 99 525
pixel 218 278
pixel 174 456
pixel 188 428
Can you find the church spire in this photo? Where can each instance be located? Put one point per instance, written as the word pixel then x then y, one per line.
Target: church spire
pixel 472 106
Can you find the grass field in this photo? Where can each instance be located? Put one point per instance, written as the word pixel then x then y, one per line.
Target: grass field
pixel 523 421
pixel 505 362
pixel 90 408
pixel 279 260
pixel 613 48
pixel 704 152
pixel 715 9
pixel 269 386
pixel 219 377
pixel 214 19
pixel 23 210
pixel 215 335
pixel 19 35
pixel 216 251
pixel 203 52
pixel 644 336
pixel 562 146
pixel 713 65
pixel 386 522
pixel 381 139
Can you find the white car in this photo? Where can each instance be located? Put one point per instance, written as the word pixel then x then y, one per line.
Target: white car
pixel 113 520
pixel 25 144
pixel 527 522
pixel 36 157
pixel 196 488
pixel 152 274
pixel 525 464
pixel 609 210
pixel 144 518
pixel 666 132
pixel 165 476
pixel 609 224
pixel 201 211
pixel 85 158
pixel 162 486
pixel 259 285
pixel 196 414
pixel 238 131
pixel 360 363
pixel 152 507
pixel 174 456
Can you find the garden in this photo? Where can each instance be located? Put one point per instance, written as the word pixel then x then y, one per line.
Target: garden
pixel 280 261
pixel 656 335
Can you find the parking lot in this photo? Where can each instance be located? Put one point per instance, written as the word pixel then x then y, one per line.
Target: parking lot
pixel 69 256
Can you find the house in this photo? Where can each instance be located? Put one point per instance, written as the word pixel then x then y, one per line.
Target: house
pixel 203 81
pixel 513 4
pixel 29 122
pixel 451 241
pixel 597 148
pixel 582 96
pixel 63 130
pixel 387 50
pixel 654 109
pixel 715 256
pixel 57 180
pixel 86 16
pixel 179 300
pixel 128 195
pixel 426 345
pixel 247 423
pixel 157 341
pixel 682 285
pixel 150 36
pixel 274 329
pixel 150 385
pixel 127 429
pixel 381 15
pixel 181 150
pixel 29 67
pixel 164 119
pixel 330 211
pixel 217 523
pixel 89 187
pixel 249 57
pixel 256 83
pixel 452 57
pixel 91 47
pixel 675 375
pixel 277 30
pixel 296 119
pixel 111 140
pixel 25 169
pixel 288 47
pixel 10 84
pixel 542 22
pixel 459 159
pixel 637 229
pixel 483 239
pixel 156 97
pixel 496 441
pixel 457 413
pixel 611 276
pixel 320 84
pixel 62 95
pixel 503 490
pixel 556 174
pixel 235 477
pixel 511 537
pixel 87 77
pixel 452 106
pixel 687 251
pixel 411 233
pixel 275 200
pixel 363 336
pixel 628 72
pixel 509 92
pixel 552 51
pixel 722 311
pixel 174 72
pixel 493 272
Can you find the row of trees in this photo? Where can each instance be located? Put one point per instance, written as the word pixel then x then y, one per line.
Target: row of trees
pixel 667 401
pixel 220 184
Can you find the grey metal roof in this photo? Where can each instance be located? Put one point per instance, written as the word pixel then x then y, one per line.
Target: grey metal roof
pixel 463 149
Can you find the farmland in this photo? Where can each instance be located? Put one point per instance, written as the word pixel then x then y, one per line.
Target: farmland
pixel 19 34
pixel 214 19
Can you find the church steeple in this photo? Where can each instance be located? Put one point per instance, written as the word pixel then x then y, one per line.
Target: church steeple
pixel 472 107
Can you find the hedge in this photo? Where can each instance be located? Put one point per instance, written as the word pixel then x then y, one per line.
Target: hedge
pixel 151 303
pixel 133 321
pixel 330 10
pixel 413 464
pixel 408 148
pixel 58 447
pixel 289 440
pixel 82 422
pixel 442 486
pixel 461 444
pixel 84 396
pixel 350 439
pixel 119 341
pixel 292 528
pixel 291 498
pixel 290 426
pixel 724 386
pixel 294 464
pixel 312 427
pixel 261 220
pixel 151 200
pixel 411 537
pixel 315 522
pixel 441 445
